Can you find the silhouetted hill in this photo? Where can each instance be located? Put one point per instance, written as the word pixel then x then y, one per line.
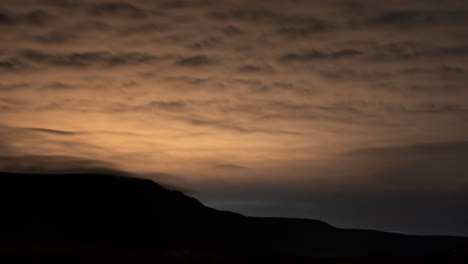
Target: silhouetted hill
pixel 101 213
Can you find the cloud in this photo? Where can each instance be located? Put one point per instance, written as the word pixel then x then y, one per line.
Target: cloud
pixel 50 131
pixel 231 31
pixel 170 106
pixel 167 106
pixel 422 167
pixel 249 68
pixel 117 9
pixel 33 155
pixel 305 27
pixel 320 55
pixel 259 15
pixel 146 28
pixel 220 124
pixel 278 87
pixel 283 24
pixel 55 164
pixel 56 37
pixel 436 108
pixel 34 18
pixel 414 50
pixel 187 80
pixel 58 86
pixel 205 44
pixel 419 18
pixel 6 19
pixel 14 86
pixel 230 167
pixel 11 65
pixel 12 105
pixel 404 51
pixel 446 69
pixel 229 125
pixel 88 59
pixel 196 61
pixel 187 4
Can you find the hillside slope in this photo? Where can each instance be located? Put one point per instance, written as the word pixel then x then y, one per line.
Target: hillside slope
pixel 107 212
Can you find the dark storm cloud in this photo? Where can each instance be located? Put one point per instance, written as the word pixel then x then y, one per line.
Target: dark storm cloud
pixel 88 59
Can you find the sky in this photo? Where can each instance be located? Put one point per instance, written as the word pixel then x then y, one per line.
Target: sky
pixel 351 112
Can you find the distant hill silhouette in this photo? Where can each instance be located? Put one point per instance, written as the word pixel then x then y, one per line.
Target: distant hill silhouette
pixel 103 213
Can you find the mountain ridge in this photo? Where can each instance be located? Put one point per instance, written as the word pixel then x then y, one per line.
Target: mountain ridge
pixel 106 211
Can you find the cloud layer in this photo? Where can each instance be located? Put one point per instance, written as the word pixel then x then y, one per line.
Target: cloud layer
pixel 348 99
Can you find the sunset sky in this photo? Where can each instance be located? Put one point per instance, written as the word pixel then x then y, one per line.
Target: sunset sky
pixel 351 112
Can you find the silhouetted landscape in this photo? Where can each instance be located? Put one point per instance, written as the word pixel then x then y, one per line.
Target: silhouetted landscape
pixel 92 218
pixel 233 131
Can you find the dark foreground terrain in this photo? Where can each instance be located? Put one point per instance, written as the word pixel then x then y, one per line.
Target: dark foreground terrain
pixel 90 218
